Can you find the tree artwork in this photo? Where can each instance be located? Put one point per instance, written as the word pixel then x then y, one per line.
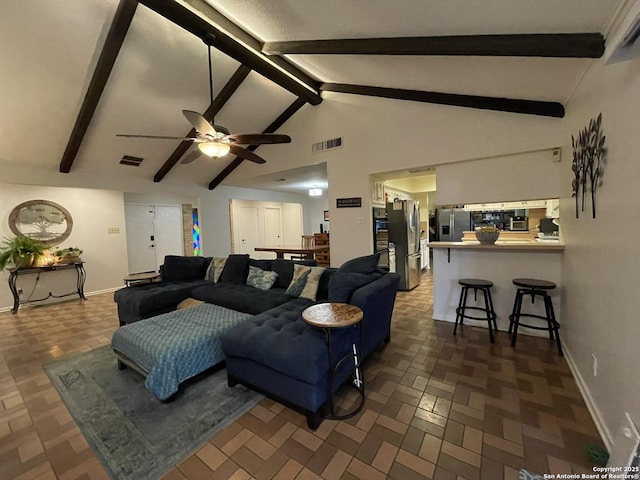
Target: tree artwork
pixel 42 217
pixel 588 164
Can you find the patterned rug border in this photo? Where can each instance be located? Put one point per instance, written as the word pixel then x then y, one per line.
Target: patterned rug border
pixel 84 397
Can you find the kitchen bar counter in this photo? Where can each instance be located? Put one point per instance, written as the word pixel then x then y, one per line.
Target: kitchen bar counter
pixel 521 245
pixel 499 263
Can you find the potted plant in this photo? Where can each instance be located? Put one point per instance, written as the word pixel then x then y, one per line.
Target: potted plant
pixel 21 251
pixel 68 255
pixel 487 235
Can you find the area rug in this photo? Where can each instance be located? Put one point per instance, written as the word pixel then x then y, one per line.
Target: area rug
pixel 134 435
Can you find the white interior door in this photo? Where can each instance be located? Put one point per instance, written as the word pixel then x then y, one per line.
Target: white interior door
pixel 292 224
pixel 140 246
pixel 264 224
pixel 248 233
pixel 167 230
pixel 153 231
pixel 272 225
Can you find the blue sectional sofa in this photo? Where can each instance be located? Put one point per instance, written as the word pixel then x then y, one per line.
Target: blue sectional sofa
pixel 274 350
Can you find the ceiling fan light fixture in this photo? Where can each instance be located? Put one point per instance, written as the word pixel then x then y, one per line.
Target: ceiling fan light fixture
pixel 315 192
pixel 214 149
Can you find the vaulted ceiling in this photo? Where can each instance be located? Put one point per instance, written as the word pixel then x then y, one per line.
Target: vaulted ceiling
pixel 77 72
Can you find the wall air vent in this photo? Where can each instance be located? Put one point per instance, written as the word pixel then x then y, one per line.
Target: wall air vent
pixel 623 44
pixel 326 145
pixel 132 161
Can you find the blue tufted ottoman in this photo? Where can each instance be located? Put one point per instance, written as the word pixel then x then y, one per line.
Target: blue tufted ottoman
pixel 175 346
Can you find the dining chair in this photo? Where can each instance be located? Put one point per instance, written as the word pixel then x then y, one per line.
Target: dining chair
pixel 307 241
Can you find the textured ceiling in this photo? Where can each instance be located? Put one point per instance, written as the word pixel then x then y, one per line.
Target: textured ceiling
pixel 162 69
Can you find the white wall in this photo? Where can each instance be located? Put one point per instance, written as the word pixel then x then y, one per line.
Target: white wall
pixel 93 212
pixel 314 212
pixel 158 198
pixel 601 261
pixel 528 176
pixel 380 135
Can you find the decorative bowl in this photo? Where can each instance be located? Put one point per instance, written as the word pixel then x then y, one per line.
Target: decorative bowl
pixel 487 237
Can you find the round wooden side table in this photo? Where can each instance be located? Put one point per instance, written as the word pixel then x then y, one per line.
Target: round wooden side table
pixel 329 316
pixel 147 277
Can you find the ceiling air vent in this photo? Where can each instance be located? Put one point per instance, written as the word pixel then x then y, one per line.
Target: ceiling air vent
pixel 133 161
pixel 326 145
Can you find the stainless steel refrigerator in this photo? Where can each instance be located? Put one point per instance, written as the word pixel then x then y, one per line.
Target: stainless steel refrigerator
pixel 452 222
pixel 404 232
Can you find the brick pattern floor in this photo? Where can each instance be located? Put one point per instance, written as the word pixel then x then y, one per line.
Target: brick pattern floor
pixel 437 406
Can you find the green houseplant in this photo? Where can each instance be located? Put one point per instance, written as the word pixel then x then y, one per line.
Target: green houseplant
pixel 68 255
pixel 21 251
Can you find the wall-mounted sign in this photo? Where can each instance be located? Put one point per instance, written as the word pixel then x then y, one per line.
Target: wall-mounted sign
pixel 353 202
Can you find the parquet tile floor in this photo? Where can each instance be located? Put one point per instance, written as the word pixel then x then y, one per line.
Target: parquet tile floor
pixel 438 407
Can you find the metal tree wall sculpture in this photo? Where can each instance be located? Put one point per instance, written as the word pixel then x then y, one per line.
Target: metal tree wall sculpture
pixel 588 163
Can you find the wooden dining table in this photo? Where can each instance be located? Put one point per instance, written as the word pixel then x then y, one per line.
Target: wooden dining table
pixel 307 253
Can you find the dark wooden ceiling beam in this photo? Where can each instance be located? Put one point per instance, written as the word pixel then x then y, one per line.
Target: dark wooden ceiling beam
pixel 529 107
pixel 273 126
pixel 225 94
pixel 574 45
pixel 115 37
pixel 246 51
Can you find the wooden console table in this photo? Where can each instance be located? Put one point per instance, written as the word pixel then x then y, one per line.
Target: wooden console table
pixel 16 272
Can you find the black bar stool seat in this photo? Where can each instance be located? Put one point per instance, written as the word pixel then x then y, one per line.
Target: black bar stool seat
pixel 489 314
pixel 534 287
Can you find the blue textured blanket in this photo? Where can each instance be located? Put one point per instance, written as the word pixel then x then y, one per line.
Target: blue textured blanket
pixel 177 345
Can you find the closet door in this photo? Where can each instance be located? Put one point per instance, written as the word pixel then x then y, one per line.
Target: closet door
pixel 272 225
pixel 247 232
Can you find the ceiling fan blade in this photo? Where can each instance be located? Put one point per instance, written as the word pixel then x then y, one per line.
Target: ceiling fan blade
pixel 191 156
pixel 161 137
pixel 199 122
pixel 246 154
pixel 259 138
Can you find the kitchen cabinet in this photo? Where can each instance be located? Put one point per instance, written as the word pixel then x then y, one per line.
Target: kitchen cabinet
pixel 523 204
pixel 377 193
pixel 553 208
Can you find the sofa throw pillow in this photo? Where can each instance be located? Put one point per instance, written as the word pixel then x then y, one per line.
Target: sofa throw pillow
pixel 310 289
pixel 299 280
pixel 366 264
pixel 178 268
pixel 284 269
pixel 262 279
pixel 215 269
pixel 236 269
pixel 343 285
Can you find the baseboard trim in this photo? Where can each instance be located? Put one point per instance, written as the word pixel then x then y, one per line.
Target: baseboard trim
pixel 66 299
pixel 588 400
pixel 106 290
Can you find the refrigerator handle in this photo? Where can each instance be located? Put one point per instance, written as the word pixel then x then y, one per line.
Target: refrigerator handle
pixel 452 229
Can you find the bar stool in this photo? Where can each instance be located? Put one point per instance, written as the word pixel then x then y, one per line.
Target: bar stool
pixel 461 312
pixel 533 287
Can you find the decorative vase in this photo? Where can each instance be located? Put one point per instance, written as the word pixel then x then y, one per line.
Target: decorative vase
pixel 487 237
pixel 23 261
